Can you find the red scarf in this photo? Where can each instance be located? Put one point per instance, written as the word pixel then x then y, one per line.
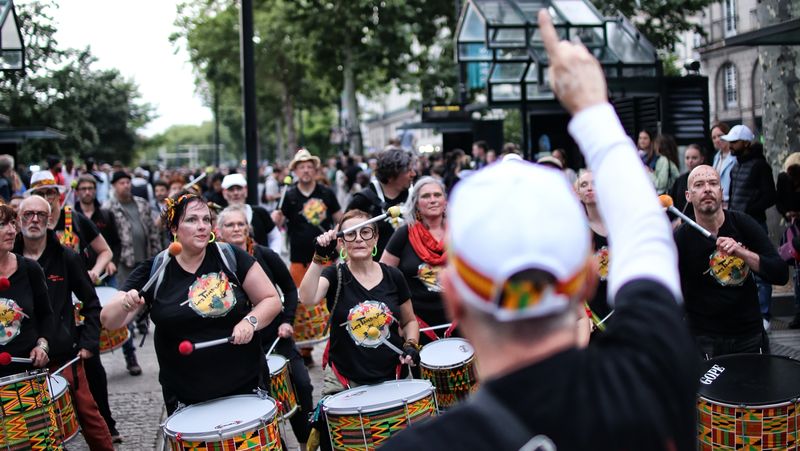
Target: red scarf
pixel 425 245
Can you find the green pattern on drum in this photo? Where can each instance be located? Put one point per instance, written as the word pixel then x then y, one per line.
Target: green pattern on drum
pixel 746 428
pixel 452 384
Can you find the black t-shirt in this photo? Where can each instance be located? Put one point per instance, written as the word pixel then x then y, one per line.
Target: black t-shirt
pixel 308 217
pixel 262 224
pixel 358 363
pixel 104 220
pixel 27 291
pixel 83 230
pixel 713 309
pixel 279 275
pixel 422 279
pixel 633 388
pixel 368 200
pixel 211 372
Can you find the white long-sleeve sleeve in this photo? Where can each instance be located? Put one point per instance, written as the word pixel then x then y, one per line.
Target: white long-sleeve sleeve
pixel 640 237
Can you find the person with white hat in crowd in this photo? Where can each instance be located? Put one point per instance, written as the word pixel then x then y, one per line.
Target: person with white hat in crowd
pixel 519 266
pixel 234 190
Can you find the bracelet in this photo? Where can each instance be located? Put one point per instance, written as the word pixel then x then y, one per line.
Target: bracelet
pixel 320 260
pixel 413 343
pixel 44 346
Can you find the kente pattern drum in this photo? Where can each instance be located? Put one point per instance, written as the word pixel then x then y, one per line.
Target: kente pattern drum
pixel 243 422
pixel 449 363
pixel 363 418
pixel 66 417
pixel 309 324
pixel 748 402
pixel 280 385
pixel 110 340
pixel 27 414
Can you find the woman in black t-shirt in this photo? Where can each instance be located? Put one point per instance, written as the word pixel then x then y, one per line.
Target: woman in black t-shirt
pixel 417 249
pixel 362 279
pixel 26 317
pixel 208 291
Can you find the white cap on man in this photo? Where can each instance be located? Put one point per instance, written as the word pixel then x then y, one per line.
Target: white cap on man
pixel 234 179
pixel 738 133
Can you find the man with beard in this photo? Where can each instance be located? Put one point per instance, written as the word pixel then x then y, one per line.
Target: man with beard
pixel 721 296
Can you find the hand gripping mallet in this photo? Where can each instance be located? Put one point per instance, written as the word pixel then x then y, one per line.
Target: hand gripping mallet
pixel 173 250
pixel 666 202
pixel 186 347
pixel 392 212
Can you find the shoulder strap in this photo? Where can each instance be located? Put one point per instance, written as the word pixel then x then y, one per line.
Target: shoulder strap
pixel 507 425
pixel 228 258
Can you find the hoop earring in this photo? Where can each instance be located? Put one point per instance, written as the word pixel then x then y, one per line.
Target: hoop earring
pixel 213 237
pixel 342 253
pixel 375 250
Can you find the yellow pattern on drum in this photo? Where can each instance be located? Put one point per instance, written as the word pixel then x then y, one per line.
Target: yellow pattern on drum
pixel 113 339
pixel 309 324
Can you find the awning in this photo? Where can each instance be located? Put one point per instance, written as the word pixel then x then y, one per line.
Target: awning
pixel 441 127
pixel 784 33
pixel 17 135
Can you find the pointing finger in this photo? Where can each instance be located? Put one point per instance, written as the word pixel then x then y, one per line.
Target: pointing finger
pixel 548 32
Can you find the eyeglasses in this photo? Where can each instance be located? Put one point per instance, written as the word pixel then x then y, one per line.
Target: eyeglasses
pixel 47 194
pixel 234 225
pixel 367 233
pixel 28 215
pixel 87 188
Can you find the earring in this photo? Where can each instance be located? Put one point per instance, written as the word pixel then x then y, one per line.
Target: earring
pixel 213 237
pixel 175 237
pixel 418 216
pixel 342 254
pixel 375 250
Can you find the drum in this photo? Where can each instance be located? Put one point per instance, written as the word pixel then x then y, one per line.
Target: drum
pixel 748 401
pixel 449 364
pixel 309 324
pixel 110 339
pixel 27 414
pixel 365 417
pixel 66 417
pixel 243 422
pixel 280 385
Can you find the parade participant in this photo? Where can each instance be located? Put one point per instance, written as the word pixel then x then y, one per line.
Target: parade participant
pixel 66 275
pixel 666 171
pixel 693 157
pixel 309 209
pixel 584 186
pixel 417 249
pixel 234 190
pixel 73 229
pixel 788 205
pixel 361 279
pixel 232 228
pixel 28 321
pixel 519 264
pixel 208 291
pixel 723 160
pixel 721 299
pixel 389 187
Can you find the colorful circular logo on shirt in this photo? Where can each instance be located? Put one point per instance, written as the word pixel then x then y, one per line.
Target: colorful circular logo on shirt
pixel 429 276
pixel 369 315
pixel 211 295
pixel 728 270
pixel 602 262
pixel 315 211
pixel 11 315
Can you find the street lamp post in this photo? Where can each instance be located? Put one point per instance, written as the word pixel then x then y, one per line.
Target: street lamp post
pixel 249 99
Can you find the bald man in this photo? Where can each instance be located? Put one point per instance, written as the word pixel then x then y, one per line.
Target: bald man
pixel 719 289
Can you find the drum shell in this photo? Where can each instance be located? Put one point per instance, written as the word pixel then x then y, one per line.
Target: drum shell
pixel 27 413
pixel 454 382
pixel 110 340
pixel 310 323
pixel 67 417
pixel 281 387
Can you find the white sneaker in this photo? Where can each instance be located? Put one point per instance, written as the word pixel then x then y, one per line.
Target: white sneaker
pixel 767 324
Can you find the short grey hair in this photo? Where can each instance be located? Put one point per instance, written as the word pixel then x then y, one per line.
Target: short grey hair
pixel 410 207
pixel 231 209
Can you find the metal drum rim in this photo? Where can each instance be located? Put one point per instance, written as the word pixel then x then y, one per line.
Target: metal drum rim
pixel 223 434
pixel 424 393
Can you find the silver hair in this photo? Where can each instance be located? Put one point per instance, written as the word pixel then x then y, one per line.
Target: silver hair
pixel 231 209
pixel 410 207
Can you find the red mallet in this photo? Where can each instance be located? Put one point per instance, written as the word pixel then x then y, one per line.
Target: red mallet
pixel 186 347
pixel 5 359
pixel 666 202
pixel 5 284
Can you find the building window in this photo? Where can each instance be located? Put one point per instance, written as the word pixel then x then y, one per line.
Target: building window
pixel 730 17
pixel 730 91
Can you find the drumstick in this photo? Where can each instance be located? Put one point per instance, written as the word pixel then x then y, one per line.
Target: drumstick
pixel 441 326
pixel 272 348
pixel 65 365
pixel 392 212
pixel 5 359
pixel 375 334
pixel 666 202
pixel 187 347
pixel 286 182
pixel 607 317
pixel 173 250
pixel 195 180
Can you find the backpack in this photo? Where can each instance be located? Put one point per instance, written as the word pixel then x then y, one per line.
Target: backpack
pixel 225 252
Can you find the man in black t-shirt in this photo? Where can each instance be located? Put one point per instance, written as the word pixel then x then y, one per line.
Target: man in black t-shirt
pixel 721 295
pixel 518 269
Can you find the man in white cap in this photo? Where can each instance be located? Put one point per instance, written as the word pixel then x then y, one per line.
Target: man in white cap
pixel 234 190
pixel 752 191
pixel 515 291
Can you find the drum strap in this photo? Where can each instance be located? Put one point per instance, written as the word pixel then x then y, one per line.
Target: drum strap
pixel 423 325
pixel 503 423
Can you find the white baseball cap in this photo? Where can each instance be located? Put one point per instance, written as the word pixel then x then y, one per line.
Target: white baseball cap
pixel 510 217
pixel 234 179
pixel 738 133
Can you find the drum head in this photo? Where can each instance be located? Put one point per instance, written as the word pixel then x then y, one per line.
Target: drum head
pixel 104 294
pixel 220 418
pixel 58 386
pixel 446 353
pixel 371 398
pixel 276 363
pixel 750 379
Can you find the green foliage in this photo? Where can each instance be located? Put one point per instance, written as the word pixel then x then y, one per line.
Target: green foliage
pixel 98 110
pixel 512 127
pixel 669 63
pixel 180 135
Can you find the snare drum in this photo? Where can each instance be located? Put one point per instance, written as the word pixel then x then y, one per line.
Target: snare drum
pixel 280 385
pixel 748 401
pixel 27 414
pixel 110 339
pixel 365 417
pixel 243 422
pixel 309 324
pixel 449 364
pixel 66 417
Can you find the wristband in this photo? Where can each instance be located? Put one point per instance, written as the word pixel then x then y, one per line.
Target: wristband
pixel 320 260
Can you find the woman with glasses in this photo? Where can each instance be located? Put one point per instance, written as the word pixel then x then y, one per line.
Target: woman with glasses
pixel 347 285
pixel 208 291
